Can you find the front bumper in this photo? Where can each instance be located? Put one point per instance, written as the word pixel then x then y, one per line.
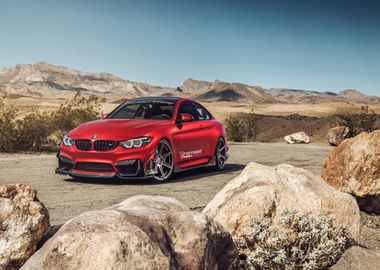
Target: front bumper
pixel 120 162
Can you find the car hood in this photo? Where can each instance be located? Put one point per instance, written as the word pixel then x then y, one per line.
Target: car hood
pixel 117 129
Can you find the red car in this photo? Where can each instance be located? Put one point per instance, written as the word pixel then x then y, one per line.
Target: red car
pixel 149 137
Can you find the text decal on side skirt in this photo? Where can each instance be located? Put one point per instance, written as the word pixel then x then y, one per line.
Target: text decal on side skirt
pixel 190 154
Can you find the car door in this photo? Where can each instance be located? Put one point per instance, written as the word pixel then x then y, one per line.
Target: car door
pixel 206 129
pixel 189 138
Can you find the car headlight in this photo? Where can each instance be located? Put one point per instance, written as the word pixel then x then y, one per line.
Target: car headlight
pixel 67 141
pixel 136 143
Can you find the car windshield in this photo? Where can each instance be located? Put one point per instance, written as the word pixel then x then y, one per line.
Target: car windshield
pixel 159 110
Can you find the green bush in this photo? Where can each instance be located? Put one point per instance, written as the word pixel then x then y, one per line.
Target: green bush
pixel 359 122
pixel 297 242
pixel 241 127
pixel 39 131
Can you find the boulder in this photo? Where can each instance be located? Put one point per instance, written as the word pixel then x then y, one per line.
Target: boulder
pixel 358 258
pixel 354 167
pixel 262 191
pixel 298 137
pixel 24 221
pixel 338 134
pixel 142 232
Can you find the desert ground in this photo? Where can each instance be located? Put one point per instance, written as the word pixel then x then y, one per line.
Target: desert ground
pixel 66 198
pixel 220 109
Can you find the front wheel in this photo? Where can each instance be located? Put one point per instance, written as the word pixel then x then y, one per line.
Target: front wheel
pixel 220 155
pixel 163 162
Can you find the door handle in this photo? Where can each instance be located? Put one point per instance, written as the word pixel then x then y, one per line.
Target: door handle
pixel 201 126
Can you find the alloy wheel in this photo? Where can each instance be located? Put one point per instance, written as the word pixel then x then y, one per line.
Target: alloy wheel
pixel 221 156
pixel 163 163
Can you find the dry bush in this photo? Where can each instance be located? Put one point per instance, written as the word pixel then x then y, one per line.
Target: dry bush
pixel 359 122
pixel 297 242
pixel 37 131
pixel 75 112
pixel 32 132
pixel 241 127
pixel 7 127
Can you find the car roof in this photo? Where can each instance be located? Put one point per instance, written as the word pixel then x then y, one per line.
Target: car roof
pixel 157 98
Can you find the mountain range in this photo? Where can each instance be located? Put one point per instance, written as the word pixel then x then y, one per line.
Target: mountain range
pixel 44 80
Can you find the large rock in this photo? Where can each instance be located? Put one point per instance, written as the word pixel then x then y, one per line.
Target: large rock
pixel 24 221
pixel 358 258
pixel 354 167
pixel 298 137
pixel 268 191
pixel 142 232
pixel 338 134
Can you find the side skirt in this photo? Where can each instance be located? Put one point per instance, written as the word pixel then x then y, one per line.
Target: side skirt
pixel 212 162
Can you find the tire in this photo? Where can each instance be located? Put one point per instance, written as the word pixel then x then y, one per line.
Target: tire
pixel 163 162
pixel 220 155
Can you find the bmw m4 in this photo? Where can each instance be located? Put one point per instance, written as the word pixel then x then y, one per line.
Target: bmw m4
pixel 149 137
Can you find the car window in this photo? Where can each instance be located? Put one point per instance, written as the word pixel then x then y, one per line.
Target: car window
pixel 144 110
pixel 202 113
pixel 188 108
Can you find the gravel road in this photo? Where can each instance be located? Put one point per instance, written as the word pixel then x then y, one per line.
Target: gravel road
pixel 66 198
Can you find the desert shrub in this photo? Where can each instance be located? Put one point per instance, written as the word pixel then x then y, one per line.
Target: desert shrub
pixel 241 127
pixel 74 112
pixel 37 131
pixel 7 127
pixel 297 242
pixel 359 122
pixel 32 132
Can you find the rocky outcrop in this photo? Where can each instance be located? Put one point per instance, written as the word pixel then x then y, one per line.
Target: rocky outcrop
pixel 142 232
pixel 354 167
pixel 338 134
pixel 358 258
pixel 24 221
pixel 261 191
pixel 298 137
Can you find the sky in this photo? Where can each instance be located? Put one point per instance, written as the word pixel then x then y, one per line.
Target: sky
pixel 324 45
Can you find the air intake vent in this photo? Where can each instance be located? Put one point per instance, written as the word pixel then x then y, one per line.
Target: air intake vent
pixel 94 167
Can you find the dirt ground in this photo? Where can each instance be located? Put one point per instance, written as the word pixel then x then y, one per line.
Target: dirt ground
pixel 220 109
pixel 66 198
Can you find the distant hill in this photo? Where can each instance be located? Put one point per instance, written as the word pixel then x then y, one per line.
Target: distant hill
pixel 194 86
pixel 306 96
pixel 44 80
pixel 357 96
pixel 237 92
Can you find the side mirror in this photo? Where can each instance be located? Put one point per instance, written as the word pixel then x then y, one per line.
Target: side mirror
pixel 105 115
pixel 184 117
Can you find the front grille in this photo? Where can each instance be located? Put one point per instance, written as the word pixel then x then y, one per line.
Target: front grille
pixel 84 145
pixel 94 167
pixel 105 145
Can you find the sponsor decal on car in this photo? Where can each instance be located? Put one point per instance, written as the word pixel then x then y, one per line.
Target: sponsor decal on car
pixel 189 154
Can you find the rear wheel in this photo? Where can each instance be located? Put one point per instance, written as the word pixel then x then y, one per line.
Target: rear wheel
pixel 220 154
pixel 163 162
